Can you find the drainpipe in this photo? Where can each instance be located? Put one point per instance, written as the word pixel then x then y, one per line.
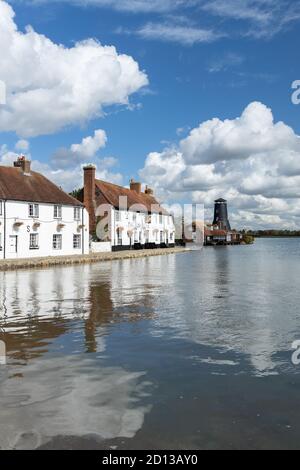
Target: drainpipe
pixel 4 241
pixel 82 218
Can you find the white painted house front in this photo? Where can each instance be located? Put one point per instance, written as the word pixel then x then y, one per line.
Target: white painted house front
pixel 38 219
pixel 128 229
pixel 127 218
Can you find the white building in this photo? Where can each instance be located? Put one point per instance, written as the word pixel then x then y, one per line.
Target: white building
pixel 125 218
pixel 38 219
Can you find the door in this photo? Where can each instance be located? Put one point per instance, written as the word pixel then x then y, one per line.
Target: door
pixel 13 245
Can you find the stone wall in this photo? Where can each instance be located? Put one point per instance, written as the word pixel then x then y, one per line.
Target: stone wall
pixel 11 265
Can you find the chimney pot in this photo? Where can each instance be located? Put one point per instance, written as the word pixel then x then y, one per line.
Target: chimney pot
pixel 149 191
pixel 24 164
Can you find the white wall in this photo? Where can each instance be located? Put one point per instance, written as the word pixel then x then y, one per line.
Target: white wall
pixel 146 229
pixel 100 247
pixel 19 212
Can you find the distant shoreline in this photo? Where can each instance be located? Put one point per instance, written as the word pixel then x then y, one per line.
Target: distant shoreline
pixel 276 236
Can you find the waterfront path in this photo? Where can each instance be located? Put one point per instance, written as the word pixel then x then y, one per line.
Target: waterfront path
pixel 13 264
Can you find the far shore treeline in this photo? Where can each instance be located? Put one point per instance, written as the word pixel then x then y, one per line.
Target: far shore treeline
pixel 274 233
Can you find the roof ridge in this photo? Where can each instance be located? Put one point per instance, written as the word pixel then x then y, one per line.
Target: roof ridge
pixel 36 187
pixel 113 184
pixel 111 192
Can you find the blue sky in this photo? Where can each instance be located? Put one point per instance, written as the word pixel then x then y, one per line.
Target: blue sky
pixel 195 61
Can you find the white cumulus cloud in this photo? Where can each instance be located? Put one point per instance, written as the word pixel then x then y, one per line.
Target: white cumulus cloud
pixel 81 153
pixel 65 165
pixel 252 161
pixel 22 145
pixel 50 86
pixel 90 145
pixel 252 133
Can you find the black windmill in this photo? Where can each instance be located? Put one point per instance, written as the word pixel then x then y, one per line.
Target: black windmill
pixel 221 215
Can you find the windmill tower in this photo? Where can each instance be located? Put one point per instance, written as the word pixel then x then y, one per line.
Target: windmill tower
pixel 221 215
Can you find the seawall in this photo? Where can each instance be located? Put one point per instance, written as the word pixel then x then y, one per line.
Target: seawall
pixel 29 263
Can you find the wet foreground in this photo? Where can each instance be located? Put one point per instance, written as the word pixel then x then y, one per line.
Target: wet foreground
pixel 189 351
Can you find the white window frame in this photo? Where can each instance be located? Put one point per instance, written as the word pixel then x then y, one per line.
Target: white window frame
pixel 57 242
pixel 77 214
pixel 34 245
pixel 118 215
pixel 57 212
pixel 77 242
pixel 33 210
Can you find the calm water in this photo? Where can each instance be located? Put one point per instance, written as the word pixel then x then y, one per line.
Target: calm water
pixel 189 351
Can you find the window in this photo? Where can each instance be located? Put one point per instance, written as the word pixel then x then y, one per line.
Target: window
pixel 160 219
pixel 57 242
pixel 33 210
pixel 118 216
pixel 161 237
pixel 57 212
pixel 77 214
pixel 76 242
pixel 0 207
pixel 33 241
pixel 119 237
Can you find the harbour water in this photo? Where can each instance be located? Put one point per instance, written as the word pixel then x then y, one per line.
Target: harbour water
pixel 186 351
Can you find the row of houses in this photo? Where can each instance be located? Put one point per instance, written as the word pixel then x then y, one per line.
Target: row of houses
pixel 38 219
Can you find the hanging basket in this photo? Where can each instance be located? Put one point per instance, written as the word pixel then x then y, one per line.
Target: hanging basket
pixel 18 223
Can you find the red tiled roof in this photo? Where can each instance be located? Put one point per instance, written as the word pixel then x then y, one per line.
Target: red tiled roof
pixel 15 186
pixel 110 193
pixel 215 233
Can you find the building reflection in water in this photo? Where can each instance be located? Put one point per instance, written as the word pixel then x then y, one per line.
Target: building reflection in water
pixel 49 320
pixel 62 328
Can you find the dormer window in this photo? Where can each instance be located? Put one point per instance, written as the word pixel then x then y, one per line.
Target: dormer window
pixel 33 210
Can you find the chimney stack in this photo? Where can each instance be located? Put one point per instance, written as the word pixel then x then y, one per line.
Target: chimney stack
pixel 89 194
pixel 149 191
pixel 137 187
pixel 24 164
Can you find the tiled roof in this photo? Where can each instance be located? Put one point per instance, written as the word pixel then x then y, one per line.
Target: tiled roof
pixel 215 233
pixel 16 186
pixel 110 193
